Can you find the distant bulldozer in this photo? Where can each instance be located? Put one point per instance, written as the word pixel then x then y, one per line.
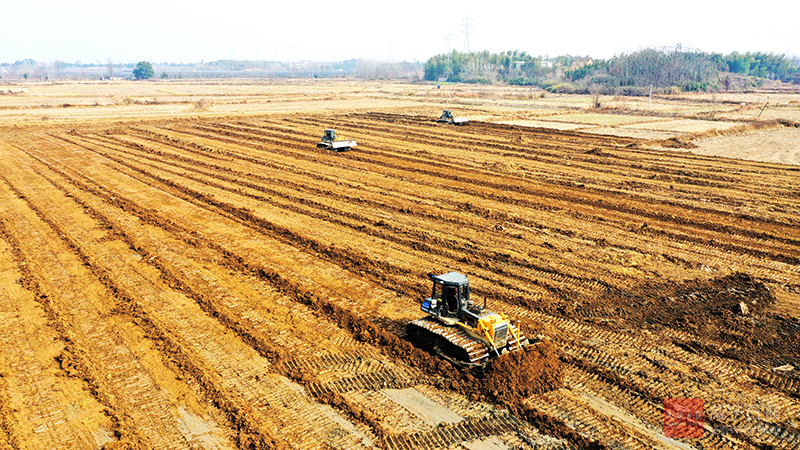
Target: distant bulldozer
pixel 447 117
pixel 331 142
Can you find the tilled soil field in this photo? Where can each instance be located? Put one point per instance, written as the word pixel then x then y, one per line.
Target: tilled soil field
pixel 222 283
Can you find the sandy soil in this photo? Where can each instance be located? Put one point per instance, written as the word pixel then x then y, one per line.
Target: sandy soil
pixel 780 146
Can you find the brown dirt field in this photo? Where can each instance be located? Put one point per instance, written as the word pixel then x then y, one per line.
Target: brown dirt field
pixel 208 278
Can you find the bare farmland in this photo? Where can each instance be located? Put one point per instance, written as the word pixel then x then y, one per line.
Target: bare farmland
pixel 208 278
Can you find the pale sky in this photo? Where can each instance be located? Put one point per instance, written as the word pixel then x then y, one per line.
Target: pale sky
pixel 159 31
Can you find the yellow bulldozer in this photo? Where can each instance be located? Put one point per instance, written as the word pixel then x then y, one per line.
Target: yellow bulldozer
pixel 458 329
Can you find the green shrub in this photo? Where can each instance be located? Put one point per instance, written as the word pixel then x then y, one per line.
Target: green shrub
pixel 566 88
pixel 477 80
pixel 521 81
pixel 695 86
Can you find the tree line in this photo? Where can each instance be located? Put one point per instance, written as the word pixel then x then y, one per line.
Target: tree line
pixel 29 69
pixel 661 69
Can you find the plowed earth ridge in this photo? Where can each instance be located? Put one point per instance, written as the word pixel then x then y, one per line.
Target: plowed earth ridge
pixel 256 273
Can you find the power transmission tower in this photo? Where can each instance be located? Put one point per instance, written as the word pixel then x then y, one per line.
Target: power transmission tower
pixel 467 28
pixel 448 54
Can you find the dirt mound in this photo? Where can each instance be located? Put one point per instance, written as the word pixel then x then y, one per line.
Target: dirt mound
pixel 598 152
pixel 676 142
pixel 723 296
pixel 517 375
pixel 728 316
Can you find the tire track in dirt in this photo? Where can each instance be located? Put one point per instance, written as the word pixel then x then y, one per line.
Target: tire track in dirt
pixel 247 321
pixel 733 178
pixel 138 406
pixel 500 206
pixel 743 237
pixel 675 224
pixel 264 125
pixel 295 238
pixel 679 246
pixel 661 369
pixel 235 377
pixel 419 209
pixel 656 386
pixel 577 160
pixel 614 154
pixel 9 427
pixel 363 220
pixel 49 409
pixel 646 385
pixel 602 239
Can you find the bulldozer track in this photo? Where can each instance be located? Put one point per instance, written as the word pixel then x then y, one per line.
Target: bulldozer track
pixel 476 352
pixel 377 380
pixel 314 209
pixel 30 374
pixel 699 244
pixel 196 334
pixel 243 255
pixel 124 379
pixel 464 431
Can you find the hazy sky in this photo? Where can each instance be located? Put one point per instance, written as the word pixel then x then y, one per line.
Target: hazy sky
pixel 181 31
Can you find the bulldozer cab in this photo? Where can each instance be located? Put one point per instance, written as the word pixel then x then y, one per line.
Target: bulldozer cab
pixel 450 298
pixel 447 114
pixel 450 292
pixel 330 135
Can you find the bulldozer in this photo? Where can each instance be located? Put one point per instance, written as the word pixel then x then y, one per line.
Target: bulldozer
pixel 331 142
pixel 447 117
pixel 460 331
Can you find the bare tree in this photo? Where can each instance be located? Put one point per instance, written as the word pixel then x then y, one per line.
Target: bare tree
pixel 110 66
pixel 595 89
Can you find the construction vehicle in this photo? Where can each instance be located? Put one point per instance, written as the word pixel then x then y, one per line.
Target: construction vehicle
pixel 447 117
pixel 459 330
pixel 331 142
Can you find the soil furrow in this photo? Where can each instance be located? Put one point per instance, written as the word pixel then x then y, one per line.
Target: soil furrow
pixel 239 264
pixel 139 408
pixel 42 393
pixel 584 192
pixel 148 203
pixel 228 371
pixel 669 225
